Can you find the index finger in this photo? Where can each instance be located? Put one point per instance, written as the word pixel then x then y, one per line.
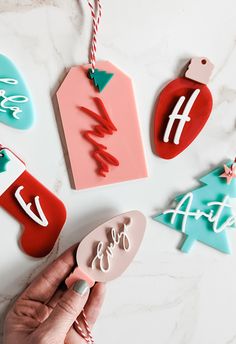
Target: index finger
pixel 45 285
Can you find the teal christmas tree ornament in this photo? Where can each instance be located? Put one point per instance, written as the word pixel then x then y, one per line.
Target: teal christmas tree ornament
pixel 100 78
pixel 205 213
pixel 16 107
pixel 4 159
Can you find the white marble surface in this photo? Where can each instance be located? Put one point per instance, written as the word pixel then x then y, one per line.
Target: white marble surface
pixel 165 297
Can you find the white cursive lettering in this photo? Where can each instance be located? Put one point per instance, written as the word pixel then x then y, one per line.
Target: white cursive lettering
pixel 41 220
pixel 212 216
pixel 183 118
pixel 106 251
pixel 11 99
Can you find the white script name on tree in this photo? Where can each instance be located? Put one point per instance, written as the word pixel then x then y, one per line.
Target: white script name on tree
pixel 213 216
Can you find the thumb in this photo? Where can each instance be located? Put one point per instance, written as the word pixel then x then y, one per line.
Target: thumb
pixel 66 311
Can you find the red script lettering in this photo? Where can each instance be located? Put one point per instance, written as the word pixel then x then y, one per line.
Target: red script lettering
pixel 104 127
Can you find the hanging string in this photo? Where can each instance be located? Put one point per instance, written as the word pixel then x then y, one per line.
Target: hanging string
pixel 96 12
pixel 87 337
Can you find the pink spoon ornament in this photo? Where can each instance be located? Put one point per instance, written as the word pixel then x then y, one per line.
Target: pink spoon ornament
pixel 108 250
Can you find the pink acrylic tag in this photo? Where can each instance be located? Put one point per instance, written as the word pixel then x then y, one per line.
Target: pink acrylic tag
pixel 107 251
pixel 101 128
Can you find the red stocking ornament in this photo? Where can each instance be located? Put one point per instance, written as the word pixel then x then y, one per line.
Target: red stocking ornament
pixel 41 214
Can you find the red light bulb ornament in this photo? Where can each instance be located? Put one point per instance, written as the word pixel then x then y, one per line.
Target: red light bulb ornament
pixel 183 109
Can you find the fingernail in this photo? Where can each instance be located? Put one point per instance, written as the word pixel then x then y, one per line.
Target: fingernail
pixel 81 287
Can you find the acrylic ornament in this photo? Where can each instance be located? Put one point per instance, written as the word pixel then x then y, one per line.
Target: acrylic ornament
pixel 207 212
pixel 183 109
pixel 101 128
pixel 107 251
pixel 41 214
pixel 100 122
pixel 16 106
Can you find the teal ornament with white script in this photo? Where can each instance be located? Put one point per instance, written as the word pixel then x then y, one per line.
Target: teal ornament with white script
pixel 205 213
pixel 16 107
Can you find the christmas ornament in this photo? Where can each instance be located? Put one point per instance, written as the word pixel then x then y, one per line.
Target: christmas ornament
pixel 106 253
pixel 183 109
pixel 41 214
pixel 16 107
pixel 205 213
pixel 100 123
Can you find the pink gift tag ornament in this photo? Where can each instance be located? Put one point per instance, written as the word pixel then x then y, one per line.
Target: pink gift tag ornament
pixel 108 250
pixel 101 130
pixel 99 120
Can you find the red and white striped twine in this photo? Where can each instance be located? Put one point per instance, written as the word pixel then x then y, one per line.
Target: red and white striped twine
pixel 96 12
pixel 92 59
pixel 87 337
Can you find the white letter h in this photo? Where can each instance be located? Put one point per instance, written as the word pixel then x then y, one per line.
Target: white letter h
pixel 183 118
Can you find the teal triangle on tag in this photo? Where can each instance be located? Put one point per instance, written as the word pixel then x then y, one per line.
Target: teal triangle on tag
pixel 4 159
pixel 100 78
pixel 16 107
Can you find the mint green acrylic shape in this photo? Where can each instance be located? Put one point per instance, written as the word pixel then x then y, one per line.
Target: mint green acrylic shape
pixel 4 159
pixel 214 188
pixel 16 108
pixel 100 78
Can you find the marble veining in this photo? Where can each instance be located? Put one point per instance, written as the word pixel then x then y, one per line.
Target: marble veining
pixel 166 297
